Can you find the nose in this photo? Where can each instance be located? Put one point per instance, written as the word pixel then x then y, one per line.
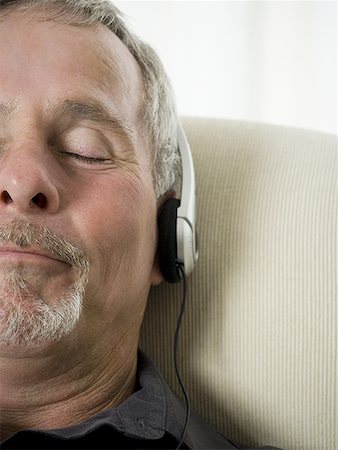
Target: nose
pixel 26 185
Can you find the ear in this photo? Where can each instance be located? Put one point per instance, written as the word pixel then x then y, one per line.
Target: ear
pixel 156 276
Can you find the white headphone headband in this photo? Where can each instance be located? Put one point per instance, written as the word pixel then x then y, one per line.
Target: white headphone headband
pixel 187 252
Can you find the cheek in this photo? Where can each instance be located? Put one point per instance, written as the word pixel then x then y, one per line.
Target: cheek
pixel 119 231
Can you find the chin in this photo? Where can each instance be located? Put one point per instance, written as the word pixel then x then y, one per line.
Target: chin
pixel 30 321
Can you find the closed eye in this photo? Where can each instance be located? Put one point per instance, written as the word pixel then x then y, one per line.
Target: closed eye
pixel 87 159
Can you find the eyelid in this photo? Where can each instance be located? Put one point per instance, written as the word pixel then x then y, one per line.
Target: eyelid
pixel 87 159
pixel 102 148
pixel 85 152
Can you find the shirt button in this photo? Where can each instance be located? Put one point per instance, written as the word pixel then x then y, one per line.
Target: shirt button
pixel 141 424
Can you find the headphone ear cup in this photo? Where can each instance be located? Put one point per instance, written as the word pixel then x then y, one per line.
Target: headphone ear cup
pixel 167 241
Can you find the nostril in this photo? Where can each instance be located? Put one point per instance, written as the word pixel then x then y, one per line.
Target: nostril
pixel 5 197
pixel 40 200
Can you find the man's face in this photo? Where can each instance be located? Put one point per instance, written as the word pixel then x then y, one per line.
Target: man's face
pixel 73 161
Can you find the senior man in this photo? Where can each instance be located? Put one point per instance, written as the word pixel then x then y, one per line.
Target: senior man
pixel 88 154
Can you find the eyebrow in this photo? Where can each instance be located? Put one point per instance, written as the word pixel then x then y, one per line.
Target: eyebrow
pixel 93 111
pixel 83 109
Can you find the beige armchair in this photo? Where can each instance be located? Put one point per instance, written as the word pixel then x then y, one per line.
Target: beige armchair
pixel 258 347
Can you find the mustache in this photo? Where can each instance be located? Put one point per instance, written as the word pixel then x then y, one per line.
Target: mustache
pixel 23 233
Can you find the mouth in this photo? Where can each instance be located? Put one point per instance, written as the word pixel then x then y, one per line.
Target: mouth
pixel 12 253
pixel 25 243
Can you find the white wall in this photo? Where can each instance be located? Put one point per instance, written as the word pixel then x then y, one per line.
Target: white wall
pixel 270 61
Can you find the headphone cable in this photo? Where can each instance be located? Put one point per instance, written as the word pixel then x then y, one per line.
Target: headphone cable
pixel 180 268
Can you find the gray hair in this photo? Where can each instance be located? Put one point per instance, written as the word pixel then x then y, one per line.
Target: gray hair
pixel 159 116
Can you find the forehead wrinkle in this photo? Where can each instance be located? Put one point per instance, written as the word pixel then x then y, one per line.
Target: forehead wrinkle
pixel 108 71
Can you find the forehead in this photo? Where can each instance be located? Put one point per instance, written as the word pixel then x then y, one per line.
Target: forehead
pixel 91 56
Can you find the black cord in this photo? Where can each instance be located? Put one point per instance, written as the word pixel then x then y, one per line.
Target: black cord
pixel 180 268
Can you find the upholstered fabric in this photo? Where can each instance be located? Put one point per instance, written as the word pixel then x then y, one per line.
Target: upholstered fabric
pixel 258 348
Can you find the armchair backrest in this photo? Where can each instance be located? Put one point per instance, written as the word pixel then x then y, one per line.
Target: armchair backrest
pixel 258 347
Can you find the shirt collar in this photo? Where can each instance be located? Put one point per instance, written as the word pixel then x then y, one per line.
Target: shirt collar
pixel 144 414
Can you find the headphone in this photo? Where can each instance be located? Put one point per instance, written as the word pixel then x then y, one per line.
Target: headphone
pixel 177 241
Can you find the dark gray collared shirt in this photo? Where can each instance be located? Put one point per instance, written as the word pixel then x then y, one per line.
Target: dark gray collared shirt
pixel 152 418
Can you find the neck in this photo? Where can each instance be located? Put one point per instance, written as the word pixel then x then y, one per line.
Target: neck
pixel 46 389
